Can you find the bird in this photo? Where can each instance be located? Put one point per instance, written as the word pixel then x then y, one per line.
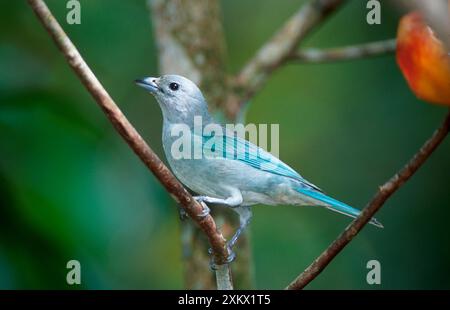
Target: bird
pixel 236 173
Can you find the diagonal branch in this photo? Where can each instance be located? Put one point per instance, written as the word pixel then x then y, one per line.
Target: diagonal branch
pixel 187 47
pixel 344 53
pixel 275 52
pixel 383 194
pixel 135 141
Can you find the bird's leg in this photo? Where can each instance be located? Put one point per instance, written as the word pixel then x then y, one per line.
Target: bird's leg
pixel 206 210
pixel 237 234
pixel 234 202
pixel 245 215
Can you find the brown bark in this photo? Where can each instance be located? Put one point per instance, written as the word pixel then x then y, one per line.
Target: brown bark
pixel 130 135
pixel 384 192
pixel 191 43
pixel 276 51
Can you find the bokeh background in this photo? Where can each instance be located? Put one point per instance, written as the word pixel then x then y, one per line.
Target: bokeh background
pixel 71 189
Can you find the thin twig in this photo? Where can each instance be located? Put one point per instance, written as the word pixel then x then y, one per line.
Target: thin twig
pixel 275 52
pixel 383 194
pixel 132 137
pixel 352 52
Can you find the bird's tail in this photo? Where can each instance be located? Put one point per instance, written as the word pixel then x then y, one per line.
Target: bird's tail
pixel 336 205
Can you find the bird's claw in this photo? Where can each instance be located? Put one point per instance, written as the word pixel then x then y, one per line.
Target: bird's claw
pixel 230 258
pixel 205 211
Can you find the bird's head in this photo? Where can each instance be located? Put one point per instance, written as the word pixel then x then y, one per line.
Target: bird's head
pixel 179 98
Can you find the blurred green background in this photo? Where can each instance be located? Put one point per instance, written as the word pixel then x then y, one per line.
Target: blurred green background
pixel 71 189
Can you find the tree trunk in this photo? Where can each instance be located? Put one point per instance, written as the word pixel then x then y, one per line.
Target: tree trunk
pixel 191 43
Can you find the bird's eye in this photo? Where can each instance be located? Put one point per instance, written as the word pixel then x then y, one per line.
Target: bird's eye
pixel 174 86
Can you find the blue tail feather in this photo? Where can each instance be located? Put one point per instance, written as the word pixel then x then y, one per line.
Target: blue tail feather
pixel 336 205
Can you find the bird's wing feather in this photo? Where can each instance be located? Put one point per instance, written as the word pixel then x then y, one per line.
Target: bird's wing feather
pixel 235 148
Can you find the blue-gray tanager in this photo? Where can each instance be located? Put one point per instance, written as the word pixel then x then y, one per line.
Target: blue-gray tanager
pixel 238 174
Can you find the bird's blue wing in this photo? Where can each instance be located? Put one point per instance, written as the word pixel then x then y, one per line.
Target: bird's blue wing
pixel 235 148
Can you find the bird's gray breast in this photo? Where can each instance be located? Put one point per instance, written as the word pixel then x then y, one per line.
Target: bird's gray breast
pixel 195 173
pixel 220 177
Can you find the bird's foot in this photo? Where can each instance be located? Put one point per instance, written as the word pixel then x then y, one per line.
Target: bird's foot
pixel 205 211
pixel 230 258
pixel 230 244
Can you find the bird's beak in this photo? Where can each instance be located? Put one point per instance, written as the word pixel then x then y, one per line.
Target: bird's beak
pixel 149 83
